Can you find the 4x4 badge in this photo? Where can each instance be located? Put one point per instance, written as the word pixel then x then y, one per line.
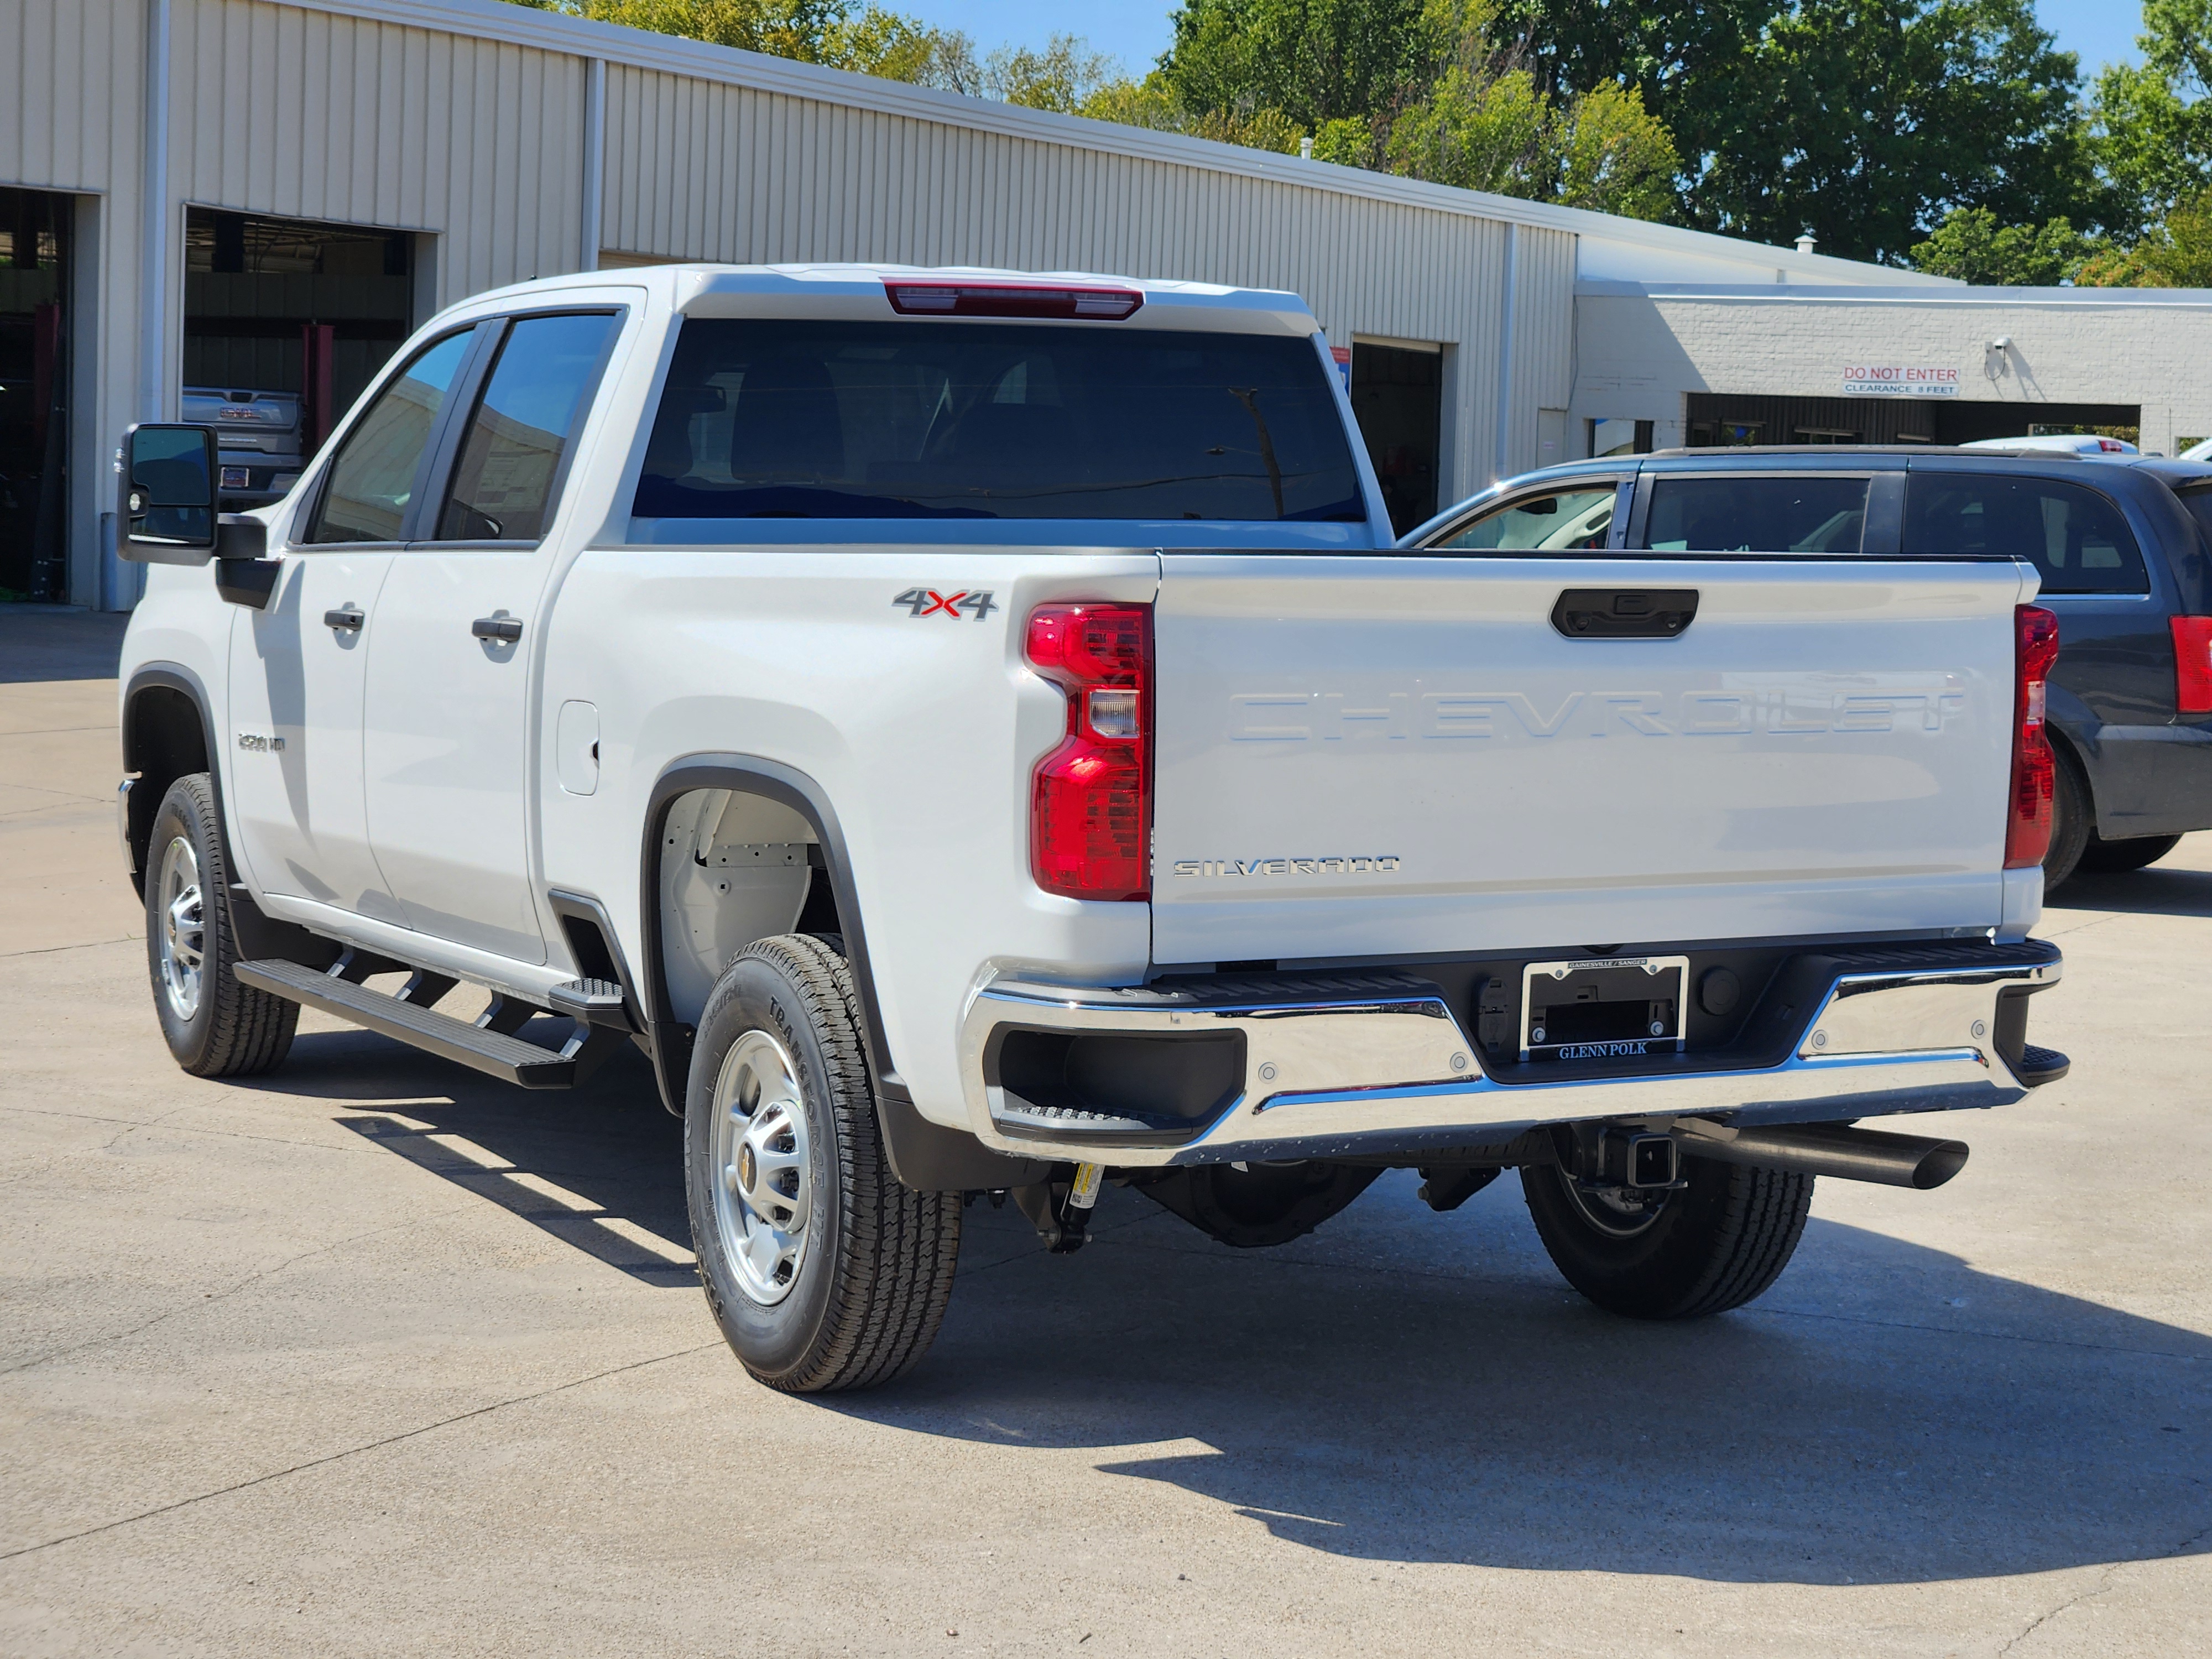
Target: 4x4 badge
pixel 919 602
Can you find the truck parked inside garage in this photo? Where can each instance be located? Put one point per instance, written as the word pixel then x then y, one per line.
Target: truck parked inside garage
pixel 974 732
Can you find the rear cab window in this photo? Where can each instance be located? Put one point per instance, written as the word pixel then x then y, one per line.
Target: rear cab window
pixel 783 420
pixel 2074 535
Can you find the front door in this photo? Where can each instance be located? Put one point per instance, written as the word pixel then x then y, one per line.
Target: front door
pixel 294 800
pixel 295 804
pixel 446 748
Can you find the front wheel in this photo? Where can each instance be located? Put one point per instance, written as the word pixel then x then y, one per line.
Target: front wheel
pixel 824 1270
pixel 214 1026
pixel 1701 1249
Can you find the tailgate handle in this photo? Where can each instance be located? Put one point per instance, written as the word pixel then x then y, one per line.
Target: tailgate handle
pixel 1625 613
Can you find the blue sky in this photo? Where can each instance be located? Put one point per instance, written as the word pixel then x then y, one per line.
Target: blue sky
pixel 2100 30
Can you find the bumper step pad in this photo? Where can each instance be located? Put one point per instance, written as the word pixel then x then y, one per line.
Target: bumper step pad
pixel 491 1052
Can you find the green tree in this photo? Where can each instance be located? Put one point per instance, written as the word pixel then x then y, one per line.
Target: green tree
pixel 840 33
pixel 1615 156
pixel 1064 76
pixel 2151 126
pixel 1972 246
pixel 1429 88
pixel 1861 120
pixel 1479 132
pixel 1314 60
pixel 2177 252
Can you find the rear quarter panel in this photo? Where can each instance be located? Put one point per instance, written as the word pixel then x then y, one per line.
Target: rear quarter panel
pixel 920 732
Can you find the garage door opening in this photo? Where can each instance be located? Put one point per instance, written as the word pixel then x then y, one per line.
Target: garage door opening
pixel 1397 393
pixel 1722 420
pixel 286 322
pixel 33 394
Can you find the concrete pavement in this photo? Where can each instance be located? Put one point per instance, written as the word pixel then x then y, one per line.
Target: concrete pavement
pixel 376 1356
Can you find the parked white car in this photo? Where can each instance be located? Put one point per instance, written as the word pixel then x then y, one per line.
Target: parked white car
pixel 2065 443
pixel 972 731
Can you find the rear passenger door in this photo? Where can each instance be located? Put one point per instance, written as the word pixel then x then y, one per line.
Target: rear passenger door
pixel 2115 654
pixel 1766 510
pixel 446 736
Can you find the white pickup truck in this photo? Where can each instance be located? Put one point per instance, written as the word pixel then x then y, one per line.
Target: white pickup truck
pixel 973 732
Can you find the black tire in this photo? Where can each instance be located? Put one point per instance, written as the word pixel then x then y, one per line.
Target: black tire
pixel 2073 820
pixel 866 1290
pixel 1710 1246
pixel 221 1027
pixel 2109 858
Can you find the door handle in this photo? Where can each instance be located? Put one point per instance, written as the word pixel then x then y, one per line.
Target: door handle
pixel 508 628
pixel 345 619
pixel 1625 613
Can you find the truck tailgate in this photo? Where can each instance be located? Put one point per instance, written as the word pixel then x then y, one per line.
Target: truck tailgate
pixel 1385 755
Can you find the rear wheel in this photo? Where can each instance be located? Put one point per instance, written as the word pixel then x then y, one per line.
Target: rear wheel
pixel 2112 857
pixel 1702 1248
pixel 2073 822
pixel 214 1026
pixel 824 1270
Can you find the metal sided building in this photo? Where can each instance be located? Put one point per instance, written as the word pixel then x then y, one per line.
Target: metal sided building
pixel 233 211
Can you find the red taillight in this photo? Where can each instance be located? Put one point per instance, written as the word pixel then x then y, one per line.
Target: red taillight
pixel 1091 808
pixel 2192 665
pixel 923 298
pixel 2034 769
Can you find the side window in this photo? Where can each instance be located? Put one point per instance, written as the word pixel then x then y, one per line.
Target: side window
pixel 2074 536
pixel 510 460
pixel 1571 521
pixel 372 478
pixel 1757 513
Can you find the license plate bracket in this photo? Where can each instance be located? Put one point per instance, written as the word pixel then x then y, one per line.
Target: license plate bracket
pixel 1602 1008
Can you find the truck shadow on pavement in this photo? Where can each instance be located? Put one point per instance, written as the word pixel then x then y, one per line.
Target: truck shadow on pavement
pixel 2152 892
pixel 600 1168
pixel 1407 1387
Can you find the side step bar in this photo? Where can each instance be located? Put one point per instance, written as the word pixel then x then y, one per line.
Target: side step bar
pixel 484 1048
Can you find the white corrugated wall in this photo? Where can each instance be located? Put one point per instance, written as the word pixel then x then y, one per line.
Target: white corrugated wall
pixel 315 116
pixel 467 122
pixel 705 171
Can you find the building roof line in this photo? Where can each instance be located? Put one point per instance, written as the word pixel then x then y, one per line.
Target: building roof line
pixel 1811 293
pixel 579 37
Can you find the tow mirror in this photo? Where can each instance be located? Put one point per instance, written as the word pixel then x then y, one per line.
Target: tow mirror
pixel 167 512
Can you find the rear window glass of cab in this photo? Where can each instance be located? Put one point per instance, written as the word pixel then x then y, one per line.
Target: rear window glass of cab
pixel 939 420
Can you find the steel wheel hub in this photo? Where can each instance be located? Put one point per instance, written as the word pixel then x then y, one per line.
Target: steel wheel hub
pixel 763 1188
pixel 181 945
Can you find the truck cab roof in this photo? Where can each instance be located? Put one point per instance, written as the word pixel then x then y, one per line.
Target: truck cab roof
pixel 863 290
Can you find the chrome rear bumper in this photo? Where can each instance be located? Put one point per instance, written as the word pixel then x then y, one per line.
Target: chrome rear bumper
pixel 1375 1063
